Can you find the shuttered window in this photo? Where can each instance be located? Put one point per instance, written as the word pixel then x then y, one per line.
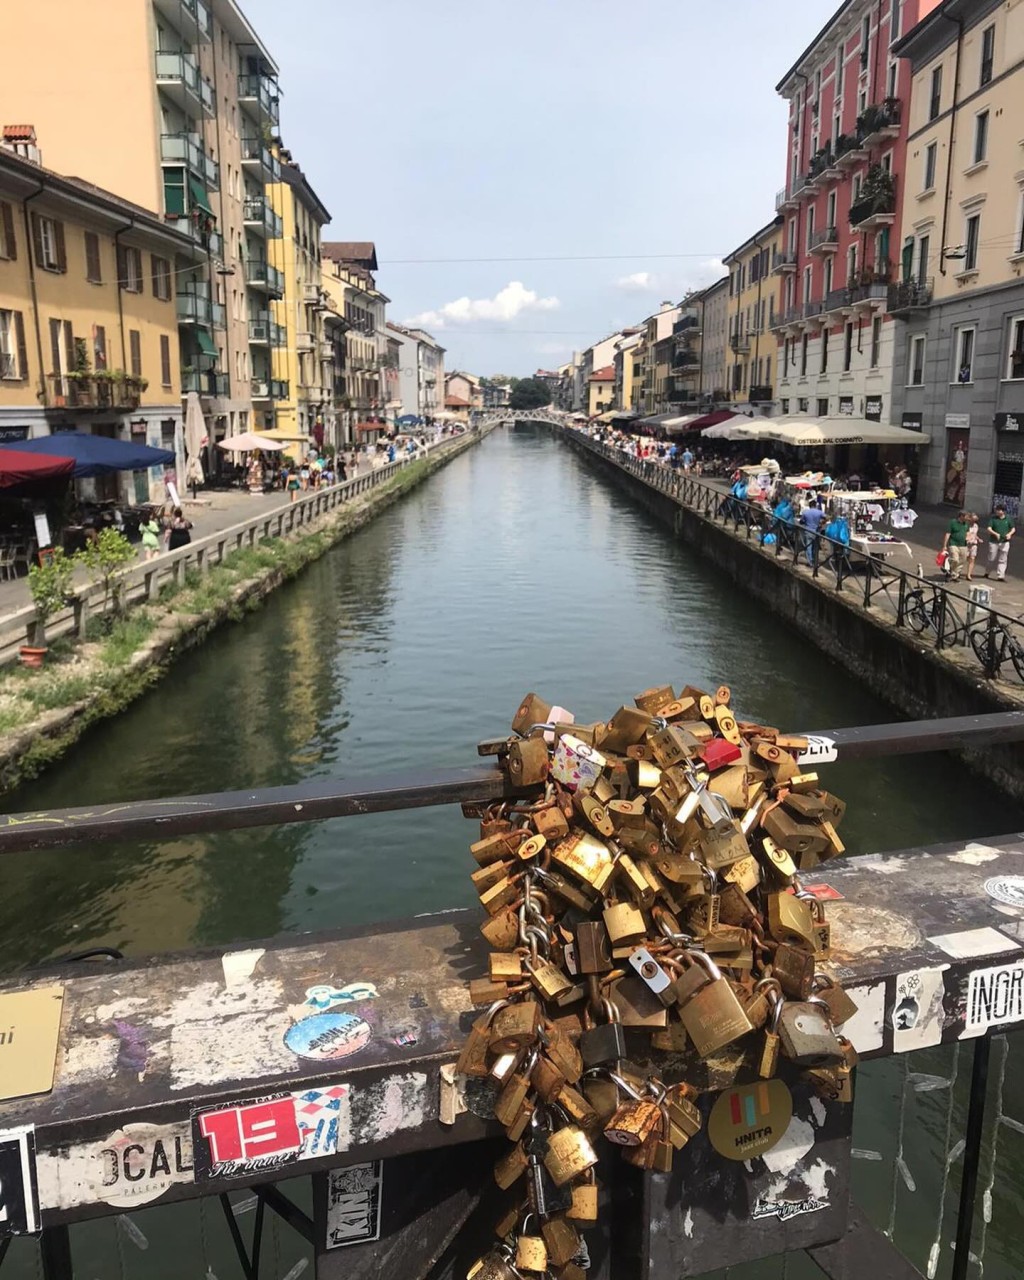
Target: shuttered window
pixel 93 267
pixel 99 347
pixel 129 269
pixel 8 241
pixel 48 243
pixel 161 278
pixel 135 348
pixel 165 360
pixel 13 353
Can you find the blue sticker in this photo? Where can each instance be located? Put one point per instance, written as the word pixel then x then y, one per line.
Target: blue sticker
pixel 327 1036
pixel 325 996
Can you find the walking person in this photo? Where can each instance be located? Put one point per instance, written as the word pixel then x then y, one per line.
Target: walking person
pixel 811 518
pixel 1000 530
pixel 973 538
pixel 178 534
pixel 150 537
pixel 955 545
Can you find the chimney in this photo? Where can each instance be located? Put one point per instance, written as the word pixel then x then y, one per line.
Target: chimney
pixel 21 139
pixel 667 306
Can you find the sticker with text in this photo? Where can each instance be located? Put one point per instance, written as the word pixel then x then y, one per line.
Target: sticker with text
pixel 995 996
pixel 766 1207
pixel 823 892
pixel 1008 889
pixel 354 1198
pixel 325 1037
pixel 19 1202
pixel 325 996
pixel 819 750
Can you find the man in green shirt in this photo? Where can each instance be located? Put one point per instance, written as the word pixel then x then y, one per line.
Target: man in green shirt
pixel 955 543
pixel 1000 530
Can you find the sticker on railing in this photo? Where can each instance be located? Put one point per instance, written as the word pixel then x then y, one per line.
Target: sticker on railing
pixel 819 750
pixel 354 1204
pixel 19 1204
pixel 1008 889
pixel 995 996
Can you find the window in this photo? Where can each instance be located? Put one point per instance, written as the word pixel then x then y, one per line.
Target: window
pixel 1015 348
pixel 971 235
pixel 988 47
pixel 135 352
pixel 851 265
pixel 810 225
pixel 129 269
pixel 865 41
pixel 839 70
pixel 48 241
pixel 99 347
pixel 803 405
pixel 13 354
pixel 837 128
pixel 803 356
pixel 894 22
pixel 785 407
pixel 876 340
pixel 931 153
pixel 831 209
pixel 828 276
pixel 980 136
pixel 848 346
pixel 915 366
pixel 935 105
pixel 963 357
pixel 93 267
pixel 785 357
pixel 8 243
pixel 807 284
pixel 61 345
pixel 891 81
pixel 922 258
pixel 824 351
pixel 161 278
pixel 823 406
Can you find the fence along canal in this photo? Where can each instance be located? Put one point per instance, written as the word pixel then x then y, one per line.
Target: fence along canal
pixel 349 641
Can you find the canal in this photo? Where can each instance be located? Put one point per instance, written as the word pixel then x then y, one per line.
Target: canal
pixel 514 568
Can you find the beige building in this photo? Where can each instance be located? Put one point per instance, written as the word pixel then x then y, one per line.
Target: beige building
pixel 654 356
pixel 88 318
pixel 753 306
pixel 348 282
pixel 714 340
pixel 182 101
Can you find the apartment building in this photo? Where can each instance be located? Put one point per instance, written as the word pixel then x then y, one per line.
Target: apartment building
pixel 347 278
pixel 624 365
pixel 288 343
pixel 654 354
pixel 959 301
pixel 88 316
pixel 752 307
pixel 684 352
pixel 183 100
pixel 843 200
pixel 713 344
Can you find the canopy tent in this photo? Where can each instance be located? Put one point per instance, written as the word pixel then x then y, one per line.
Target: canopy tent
pixel 803 432
pixel 608 416
pixel 679 425
pixel 737 426
pixel 97 455
pixel 19 467
pixel 624 415
pixel 657 419
pixel 248 441
pixel 284 436
pixel 713 419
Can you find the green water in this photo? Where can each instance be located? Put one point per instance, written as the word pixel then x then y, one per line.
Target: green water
pixel 514 568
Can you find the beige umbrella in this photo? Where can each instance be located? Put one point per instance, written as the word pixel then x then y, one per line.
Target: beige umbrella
pixel 248 441
pixel 195 441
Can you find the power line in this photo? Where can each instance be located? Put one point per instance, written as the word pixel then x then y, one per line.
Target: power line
pixel 579 257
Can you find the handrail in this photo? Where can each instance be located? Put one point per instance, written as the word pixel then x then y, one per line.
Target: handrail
pixel 142 582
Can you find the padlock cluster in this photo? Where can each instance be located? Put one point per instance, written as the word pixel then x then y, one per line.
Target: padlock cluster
pixel 645 913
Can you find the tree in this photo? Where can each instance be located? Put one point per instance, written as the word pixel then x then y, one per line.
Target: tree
pixel 49 583
pixel 105 556
pixel 529 393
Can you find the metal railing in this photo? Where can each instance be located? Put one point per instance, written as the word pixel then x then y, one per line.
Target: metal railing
pixel 142 583
pixel 940 616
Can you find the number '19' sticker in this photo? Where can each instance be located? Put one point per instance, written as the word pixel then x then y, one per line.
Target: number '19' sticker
pixel 819 750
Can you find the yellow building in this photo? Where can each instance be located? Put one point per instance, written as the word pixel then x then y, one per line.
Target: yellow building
pixel 288 344
pixel 753 303
pixel 600 390
pixel 351 292
pixel 88 318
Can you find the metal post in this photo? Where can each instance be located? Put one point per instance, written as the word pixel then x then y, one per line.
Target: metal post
pixel 55 1253
pixel 972 1157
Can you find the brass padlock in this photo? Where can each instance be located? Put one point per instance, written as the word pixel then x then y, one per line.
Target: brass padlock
pixel 841 1006
pixel 531 1251
pixel 636 881
pixel 569 1153
pixel 497 848
pixel 490 875
pixel 637 1006
pixel 563 1053
pixel 626 728
pixel 807 806
pixel 746 874
pixel 496 1265
pixel 594 812
pixel 735 907
pixel 713 1016
pixel 502 930
pixel 791 920
pixel 562 1240
pixel 794 968
pixel 778 860
pixel 511 1166
pixel 584 1202
pixel 515 1027
pixel 499 896
pixel 576 1107
pixel 798 838
pixel 531 848
pixel 548 978
pixel 593 948
pixel 723 845
pixel 627 813
pixel 807 1036
pixel 505 966
pixel 779 762
pixel 533 710
pixel 727 725
pixel 528 762
pixel 652 700
pixel 587 857
pixel 633 1123
pixel 546 1079
pixel 625 923
pixel 551 823
pixel 509 1102
pixel 484 991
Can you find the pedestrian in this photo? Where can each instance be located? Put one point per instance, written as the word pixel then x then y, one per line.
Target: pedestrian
pixel 955 544
pixel 687 460
pixel 304 475
pixel 150 537
pixel 178 534
pixel 811 518
pixel 973 538
pixel 294 484
pixel 1000 530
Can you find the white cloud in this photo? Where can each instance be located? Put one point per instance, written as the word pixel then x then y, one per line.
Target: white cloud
pixel 638 281
pixel 713 267
pixel 506 304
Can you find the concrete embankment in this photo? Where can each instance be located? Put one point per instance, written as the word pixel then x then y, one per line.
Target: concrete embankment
pixel 915 678
pixel 98 687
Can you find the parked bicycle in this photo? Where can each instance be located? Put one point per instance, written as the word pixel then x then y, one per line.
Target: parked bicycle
pixel 923 609
pixel 994 644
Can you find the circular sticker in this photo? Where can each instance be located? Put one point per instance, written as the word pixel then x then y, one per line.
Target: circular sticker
pixel 750 1120
pixel 1008 889
pixel 327 1036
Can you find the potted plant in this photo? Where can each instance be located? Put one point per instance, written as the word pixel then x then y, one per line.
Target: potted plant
pixel 49 582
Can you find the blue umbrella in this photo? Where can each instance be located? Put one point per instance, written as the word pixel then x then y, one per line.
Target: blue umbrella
pixel 408 420
pixel 97 455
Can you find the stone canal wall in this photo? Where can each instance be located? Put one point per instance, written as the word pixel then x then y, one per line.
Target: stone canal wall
pixel 97 687
pixel 902 667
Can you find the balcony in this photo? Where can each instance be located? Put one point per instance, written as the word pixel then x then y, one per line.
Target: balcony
pixel 259 331
pixel 190 18
pixel 758 395
pixel 260 160
pixel 783 263
pixel 269 389
pixel 100 392
pixel 278 335
pixel 813 310
pixel 186 149
pixel 279 389
pixel 259 217
pixel 259 95
pixel 304 340
pixel 206 382
pixel 791 316
pixel 261 275
pixel 259 388
pixel 177 75
pixel 909 295
pixel 838 299
pixel 685 360
pixel 311 295
pixel 879 122
pixel 686 326
pixel 877 204
pixel 824 240
pixel 194 308
pixel 849 151
pixel 739 343
pixel 822 164
pixel 325 350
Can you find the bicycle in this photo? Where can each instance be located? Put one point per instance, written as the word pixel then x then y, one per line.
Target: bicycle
pixel 992 653
pixel 921 612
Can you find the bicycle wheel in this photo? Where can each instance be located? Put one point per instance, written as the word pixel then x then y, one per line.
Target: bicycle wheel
pixel 915 611
pixel 1016 654
pixel 981 647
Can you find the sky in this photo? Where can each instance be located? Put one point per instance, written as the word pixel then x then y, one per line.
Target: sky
pixel 536 174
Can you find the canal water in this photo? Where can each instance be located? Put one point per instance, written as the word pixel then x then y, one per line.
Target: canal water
pixel 515 568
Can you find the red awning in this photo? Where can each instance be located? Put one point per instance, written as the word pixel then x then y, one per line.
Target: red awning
pixel 711 419
pixel 18 466
pixel 371 426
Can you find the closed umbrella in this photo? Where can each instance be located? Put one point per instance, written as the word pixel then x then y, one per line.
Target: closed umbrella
pixel 247 441
pixel 195 441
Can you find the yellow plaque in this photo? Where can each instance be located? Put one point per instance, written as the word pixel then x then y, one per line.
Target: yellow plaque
pixel 750 1120
pixel 29 1028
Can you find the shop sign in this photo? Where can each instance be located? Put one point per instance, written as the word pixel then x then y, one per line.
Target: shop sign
pixel 912 421
pixel 9 434
pixel 846 405
pixel 873 408
pixel 958 422
pixel 1008 421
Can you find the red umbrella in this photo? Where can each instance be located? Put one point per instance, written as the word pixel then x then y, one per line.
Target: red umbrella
pixel 18 466
pixel 711 419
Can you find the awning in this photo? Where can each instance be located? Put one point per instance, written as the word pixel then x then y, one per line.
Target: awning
pixel 285 435
pixel 371 426
pixel 624 415
pixel 609 416
pixel 676 426
pixel 657 419
pixel 198 194
pixel 206 343
pixel 712 419
pixel 97 455
pixel 804 432
pixel 248 442
pixel 732 426
pixel 20 467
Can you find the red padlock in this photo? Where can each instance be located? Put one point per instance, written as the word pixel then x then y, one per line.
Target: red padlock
pixel 717 753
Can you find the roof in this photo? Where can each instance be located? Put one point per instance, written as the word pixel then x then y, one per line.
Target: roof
pixel 754 241
pixel 293 175
pixel 939 28
pixel 19 133
pixel 362 252
pixel 607 374
pixel 456 402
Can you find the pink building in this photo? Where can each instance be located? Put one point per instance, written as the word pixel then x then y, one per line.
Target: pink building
pixel 842 203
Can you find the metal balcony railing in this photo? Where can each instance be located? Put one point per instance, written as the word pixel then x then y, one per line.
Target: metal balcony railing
pixel 909 295
pixel 257 214
pixel 259 94
pixel 824 238
pixel 259 330
pixel 194 308
pixel 206 382
pixel 178 74
pixel 257 155
pixel 186 149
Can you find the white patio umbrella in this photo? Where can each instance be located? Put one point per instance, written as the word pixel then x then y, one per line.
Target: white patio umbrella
pixel 195 440
pixel 247 441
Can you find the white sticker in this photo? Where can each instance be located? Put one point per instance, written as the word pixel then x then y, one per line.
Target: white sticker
pixel 132 1167
pixel 864 1029
pixel 765 1207
pixel 995 996
pixel 917 1011
pixel 1008 889
pixel 819 750
pixel 971 943
pixel 354 1204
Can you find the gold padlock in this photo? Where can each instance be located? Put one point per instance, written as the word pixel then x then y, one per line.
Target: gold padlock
pixel 625 923
pixel 528 762
pixel 568 1155
pixel 790 920
pixel 532 710
pixel 713 1016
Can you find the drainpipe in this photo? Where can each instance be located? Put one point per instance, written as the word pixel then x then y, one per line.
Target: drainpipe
pixel 958 22
pixel 30 252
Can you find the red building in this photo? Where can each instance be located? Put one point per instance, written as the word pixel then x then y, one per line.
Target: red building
pixel 842 204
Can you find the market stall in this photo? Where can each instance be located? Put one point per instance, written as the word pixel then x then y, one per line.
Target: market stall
pixel 863 509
